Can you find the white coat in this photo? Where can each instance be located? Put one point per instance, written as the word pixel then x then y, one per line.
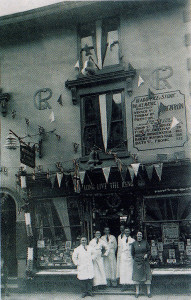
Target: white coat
pixel 99 271
pixel 126 262
pixel 83 260
pixel 119 252
pixel 110 263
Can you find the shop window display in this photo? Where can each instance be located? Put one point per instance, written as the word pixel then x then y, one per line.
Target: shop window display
pixel 168 230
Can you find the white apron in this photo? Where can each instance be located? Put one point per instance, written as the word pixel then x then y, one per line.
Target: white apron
pixel 126 262
pixel 83 260
pixel 110 263
pixel 99 271
pixel 119 253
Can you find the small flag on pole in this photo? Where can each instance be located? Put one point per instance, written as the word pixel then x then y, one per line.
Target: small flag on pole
pixel 140 81
pixel 77 65
pixel 60 100
pixel 174 123
pixel 51 117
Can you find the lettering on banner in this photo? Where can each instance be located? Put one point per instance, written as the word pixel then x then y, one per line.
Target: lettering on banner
pixel 152 118
pixel 105 186
pixel 41 98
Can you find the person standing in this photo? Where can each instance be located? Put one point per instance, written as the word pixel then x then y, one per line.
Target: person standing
pixel 110 263
pixel 120 238
pixel 82 258
pixel 141 268
pixel 100 249
pixel 126 260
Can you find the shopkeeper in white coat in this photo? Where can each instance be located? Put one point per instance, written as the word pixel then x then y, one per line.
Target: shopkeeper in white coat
pixel 100 249
pixel 126 260
pixel 110 263
pixel 119 240
pixel 83 259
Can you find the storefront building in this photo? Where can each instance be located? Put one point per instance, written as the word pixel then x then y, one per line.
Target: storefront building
pixel 98 97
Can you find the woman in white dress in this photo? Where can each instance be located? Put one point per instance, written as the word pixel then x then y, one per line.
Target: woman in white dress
pixel 126 260
pixel 100 249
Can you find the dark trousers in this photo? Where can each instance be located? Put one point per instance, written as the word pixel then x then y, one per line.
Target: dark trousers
pixel 86 286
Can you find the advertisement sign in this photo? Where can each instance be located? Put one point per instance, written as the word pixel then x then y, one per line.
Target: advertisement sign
pixel 170 233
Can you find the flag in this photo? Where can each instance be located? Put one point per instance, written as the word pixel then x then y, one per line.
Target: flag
pixel 106 172
pixel 162 108
pixel 51 117
pixel 82 176
pixel 150 94
pixel 158 169
pixel 131 172
pixel 60 100
pixel 149 170
pixel 103 114
pixel 140 81
pixel 174 123
pixel 77 65
pixel 135 168
pixel 59 178
pixel 23 182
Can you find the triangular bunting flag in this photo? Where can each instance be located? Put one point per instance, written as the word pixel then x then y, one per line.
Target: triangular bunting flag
pixel 60 100
pixel 149 170
pixel 174 123
pixel 140 80
pixel 158 169
pixel 82 176
pixel 77 65
pixel 135 168
pixel 59 178
pixel 131 172
pixel 123 172
pixel 150 94
pixel 106 172
pixel 51 117
pixel 52 180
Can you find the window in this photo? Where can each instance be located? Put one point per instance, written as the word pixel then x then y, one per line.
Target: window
pixel 99 44
pixel 103 121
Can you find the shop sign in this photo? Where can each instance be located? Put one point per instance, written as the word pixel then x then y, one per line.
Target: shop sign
pixel 27 155
pixel 152 119
pixel 170 233
pixel 106 186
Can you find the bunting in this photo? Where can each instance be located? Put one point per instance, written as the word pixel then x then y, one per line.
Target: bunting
pixel 140 81
pixel 135 168
pixel 106 172
pixel 82 176
pixel 77 65
pixel 149 170
pixel 60 100
pixel 131 172
pixel 174 123
pixel 59 178
pixel 158 169
pixel 51 117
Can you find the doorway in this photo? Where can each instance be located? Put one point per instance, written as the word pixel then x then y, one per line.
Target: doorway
pixel 8 233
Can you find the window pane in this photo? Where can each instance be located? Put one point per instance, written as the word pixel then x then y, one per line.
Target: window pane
pixel 92 137
pixel 90 110
pixel 116 107
pixel 116 135
pixel 112 53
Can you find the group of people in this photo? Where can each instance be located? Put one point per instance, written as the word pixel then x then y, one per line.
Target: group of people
pixel 97 263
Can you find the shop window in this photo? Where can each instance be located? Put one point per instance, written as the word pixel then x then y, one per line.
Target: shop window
pixel 99 41
pixel 103 121
pixel 58 230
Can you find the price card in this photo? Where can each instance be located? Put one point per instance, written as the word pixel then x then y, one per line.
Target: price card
pixel 160 246
pixel 188 250
pixel 172 253
pixel 181 246
pixel 152 243
pixel 154 251
pixel 188 242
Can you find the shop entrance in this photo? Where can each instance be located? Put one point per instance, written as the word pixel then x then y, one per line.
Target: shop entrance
pixel 8 234
pixel 113 209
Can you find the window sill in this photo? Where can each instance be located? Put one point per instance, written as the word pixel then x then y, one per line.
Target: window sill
pixel 104 156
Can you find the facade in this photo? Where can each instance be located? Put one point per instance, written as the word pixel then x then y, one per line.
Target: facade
pixel 101 95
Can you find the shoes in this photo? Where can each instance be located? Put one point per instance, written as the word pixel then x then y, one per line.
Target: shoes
pixel 136 295
pixel 84 295
pixel 90 294
pixel 149 295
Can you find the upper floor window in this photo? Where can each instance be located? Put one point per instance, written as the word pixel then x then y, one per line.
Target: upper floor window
pixel 103 121
pixel 99 43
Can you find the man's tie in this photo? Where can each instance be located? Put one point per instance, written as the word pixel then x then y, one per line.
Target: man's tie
pixel 85 248
pixel 107 238
pixel 121 235
pixel 97 241
pixel 127 240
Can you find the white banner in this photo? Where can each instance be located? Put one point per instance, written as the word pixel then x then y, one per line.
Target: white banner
pixel 103 115
pixel 59 178
pixel 82 176
pixel 106 172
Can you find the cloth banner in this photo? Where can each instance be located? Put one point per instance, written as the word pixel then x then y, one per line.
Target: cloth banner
pixel 135 168
pixel 158 169
pixel 106 172
pixel 23 182
pixel 149 170
pixel 82 176
pixel 140 80
pixel 131 172
pixel 174 123
pixel 103 115
pixel 27 219
pixel 30 253
pixel 51 117
pixel 123 172
pixel 99 43
pixel 59 178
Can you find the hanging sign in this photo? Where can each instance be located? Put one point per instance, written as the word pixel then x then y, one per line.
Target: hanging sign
pixel 27 155
pixel 156 121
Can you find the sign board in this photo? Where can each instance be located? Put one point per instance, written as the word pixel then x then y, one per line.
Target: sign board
pixel 188 250
pixel 27 155
pixel 170 232
pixel 152 119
